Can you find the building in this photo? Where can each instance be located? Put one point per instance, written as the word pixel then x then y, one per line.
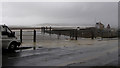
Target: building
pixel 99 25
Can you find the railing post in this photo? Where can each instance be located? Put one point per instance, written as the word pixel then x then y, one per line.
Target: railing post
pixel 92 34
pixel 21 35
pixel 76 34
pixel 34 36
pixel 44 30
pixel 58 35
pixel 70 34
pixel 102 35
pixel 34 39
pixel 50 30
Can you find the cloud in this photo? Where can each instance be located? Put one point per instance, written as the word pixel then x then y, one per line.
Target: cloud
pixel 74 13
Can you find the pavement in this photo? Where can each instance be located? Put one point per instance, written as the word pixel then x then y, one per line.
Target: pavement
pixel 83 52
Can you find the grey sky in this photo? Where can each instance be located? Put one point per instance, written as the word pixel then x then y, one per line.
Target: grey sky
pixel 66 13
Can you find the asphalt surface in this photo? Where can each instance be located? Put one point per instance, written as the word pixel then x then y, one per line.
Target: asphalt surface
pixel 104 53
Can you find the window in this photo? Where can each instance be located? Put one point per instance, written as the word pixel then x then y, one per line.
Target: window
pixel 6 29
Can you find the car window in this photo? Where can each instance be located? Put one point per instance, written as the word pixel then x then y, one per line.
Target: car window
pixel 6 29
pixel 3 29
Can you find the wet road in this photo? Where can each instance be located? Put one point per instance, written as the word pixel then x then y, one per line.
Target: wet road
pixel 97 54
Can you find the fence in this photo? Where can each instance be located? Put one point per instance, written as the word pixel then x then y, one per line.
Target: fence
pixel 34 35
pixel 45 33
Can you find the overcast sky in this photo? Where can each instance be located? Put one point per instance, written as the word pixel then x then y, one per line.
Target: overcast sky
pixel 66 13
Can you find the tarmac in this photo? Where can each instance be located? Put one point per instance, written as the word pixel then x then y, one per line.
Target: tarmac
pixel 83 52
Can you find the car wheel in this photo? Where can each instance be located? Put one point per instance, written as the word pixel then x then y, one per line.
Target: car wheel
pixel 12 47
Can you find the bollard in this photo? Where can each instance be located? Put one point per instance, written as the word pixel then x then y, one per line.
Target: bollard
pixel 21 35
pixel 34 40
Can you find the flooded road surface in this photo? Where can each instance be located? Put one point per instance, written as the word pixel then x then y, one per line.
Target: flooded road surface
pixel 99 53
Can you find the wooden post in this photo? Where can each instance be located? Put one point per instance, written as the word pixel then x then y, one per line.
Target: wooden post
pixel 34 40
pixel 44 30
pixel 50 30
pixel 76 34
pixel 70 34
pixel 58 35
pixel 73 34
pixel 21 35
pixel 109 34
pixel 34 36
pixel 101 34
pixel 92 34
